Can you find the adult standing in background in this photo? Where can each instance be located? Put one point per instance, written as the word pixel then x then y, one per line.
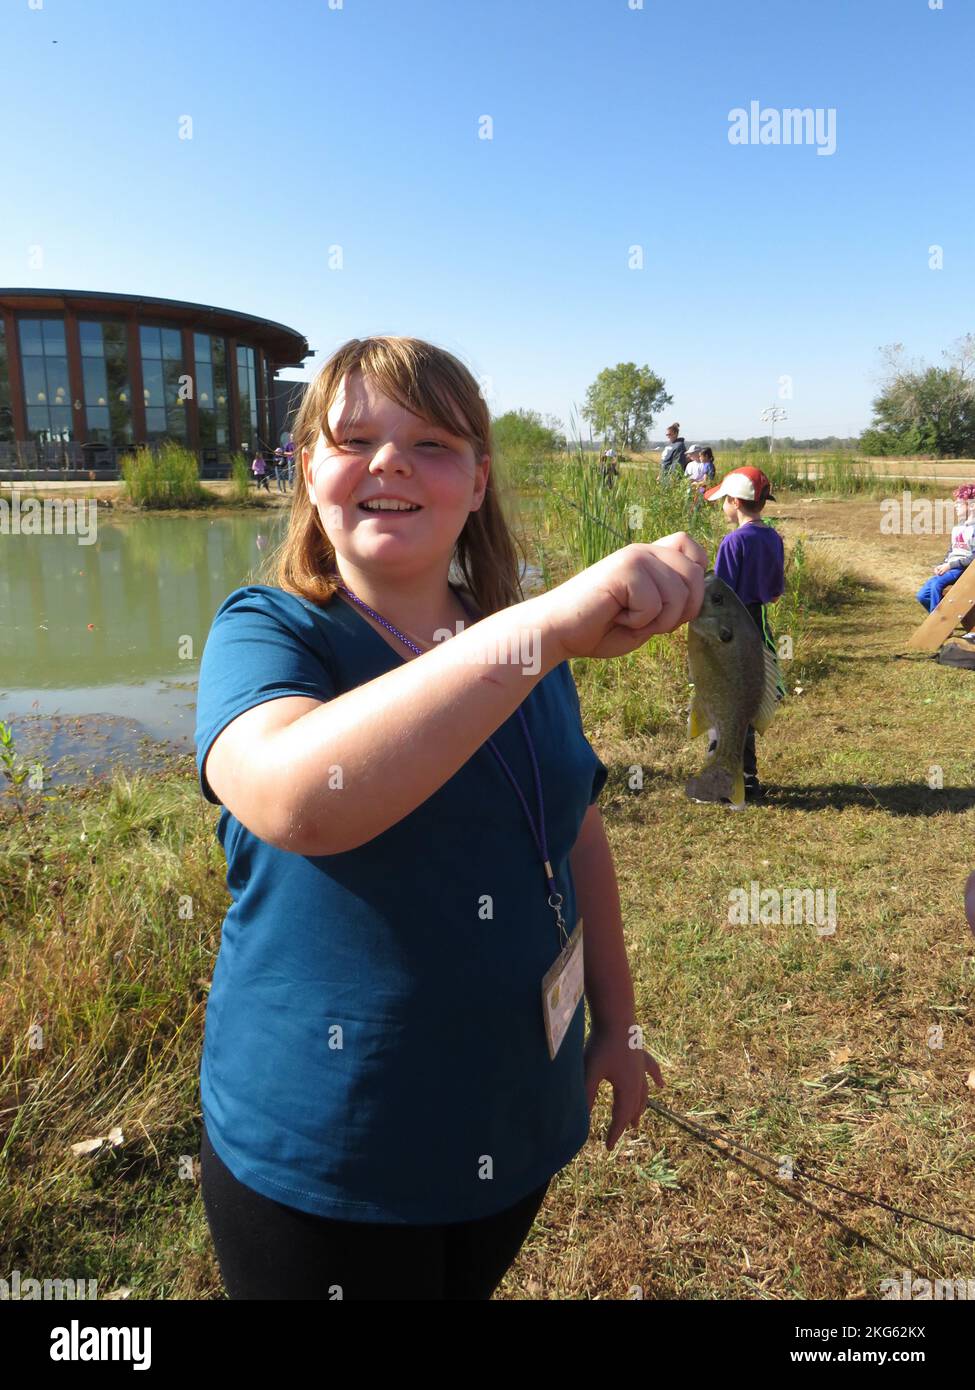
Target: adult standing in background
pixel 609 469
pixel 289 454
pixel 673 457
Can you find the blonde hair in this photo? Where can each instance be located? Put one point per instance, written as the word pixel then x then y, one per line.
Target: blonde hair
pixel 435 385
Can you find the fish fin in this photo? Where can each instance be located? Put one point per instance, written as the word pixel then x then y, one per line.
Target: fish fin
pixel 770 693
pixel 696 722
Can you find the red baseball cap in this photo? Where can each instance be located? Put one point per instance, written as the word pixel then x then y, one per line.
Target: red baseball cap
pixel 748 484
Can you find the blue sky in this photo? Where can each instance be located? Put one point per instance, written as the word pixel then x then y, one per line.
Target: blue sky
pixel 357 127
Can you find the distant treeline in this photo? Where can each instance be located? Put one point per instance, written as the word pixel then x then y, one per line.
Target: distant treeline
pixel 758 444
pixel 831 443
pixel 525 433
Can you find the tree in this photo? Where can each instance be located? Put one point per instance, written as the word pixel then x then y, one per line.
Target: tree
pixel 621 403
pixel 923 409
pixel 524 432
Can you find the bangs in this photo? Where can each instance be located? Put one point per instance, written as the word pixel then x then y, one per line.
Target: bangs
pixel 420 383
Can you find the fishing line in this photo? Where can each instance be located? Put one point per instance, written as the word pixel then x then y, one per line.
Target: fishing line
pixel 598 519
pixel 703 1132
pixel 627 540
pixel 718 1146
pixel 717 1140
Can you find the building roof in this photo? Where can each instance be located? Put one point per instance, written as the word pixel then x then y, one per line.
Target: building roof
pixel 285 347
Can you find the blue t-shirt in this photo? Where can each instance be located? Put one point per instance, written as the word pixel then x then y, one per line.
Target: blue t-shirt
pixel 374 1038
pixel 751 560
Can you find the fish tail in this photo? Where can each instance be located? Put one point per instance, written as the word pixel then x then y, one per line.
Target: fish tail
pixel 717 783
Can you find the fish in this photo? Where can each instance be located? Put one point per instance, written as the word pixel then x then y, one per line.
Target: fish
pixel 736 683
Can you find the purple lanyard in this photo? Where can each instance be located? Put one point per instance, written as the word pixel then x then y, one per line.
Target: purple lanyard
pixel 555 897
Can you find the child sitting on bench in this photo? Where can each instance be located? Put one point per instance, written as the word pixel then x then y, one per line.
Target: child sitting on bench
pixel 961 551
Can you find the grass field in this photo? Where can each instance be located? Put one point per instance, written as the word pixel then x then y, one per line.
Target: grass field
pixel 816 1047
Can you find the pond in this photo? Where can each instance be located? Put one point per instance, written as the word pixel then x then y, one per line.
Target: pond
pixel 100 643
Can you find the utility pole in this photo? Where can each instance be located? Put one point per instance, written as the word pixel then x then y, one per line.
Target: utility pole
pixel 770 415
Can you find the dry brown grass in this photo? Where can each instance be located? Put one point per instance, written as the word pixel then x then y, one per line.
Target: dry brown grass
pixel 814 1047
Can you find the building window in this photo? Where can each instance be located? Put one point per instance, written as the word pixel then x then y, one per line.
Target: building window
pixel 105 368
pixel 6 416
pixel 247 390
pixel 162 367
pixel 44 360
pixel 212 394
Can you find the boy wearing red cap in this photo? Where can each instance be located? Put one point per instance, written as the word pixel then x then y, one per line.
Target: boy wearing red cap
pixel 751 560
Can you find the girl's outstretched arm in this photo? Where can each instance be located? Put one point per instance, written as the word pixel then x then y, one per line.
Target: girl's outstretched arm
pixel 398 738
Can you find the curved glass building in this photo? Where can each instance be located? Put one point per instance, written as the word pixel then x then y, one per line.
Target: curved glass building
pixel 85 375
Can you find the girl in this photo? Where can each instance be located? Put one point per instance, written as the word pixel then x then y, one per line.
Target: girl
pixel 259 469
pixel 700 471
pixel 959 555
pixel 411 833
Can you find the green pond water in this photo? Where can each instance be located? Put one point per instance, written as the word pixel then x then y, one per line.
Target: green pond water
pixel 100 644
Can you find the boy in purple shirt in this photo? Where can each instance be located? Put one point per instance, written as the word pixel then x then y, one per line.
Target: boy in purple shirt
pixel 750 560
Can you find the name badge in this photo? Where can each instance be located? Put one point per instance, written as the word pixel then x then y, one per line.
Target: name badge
pixel 562 988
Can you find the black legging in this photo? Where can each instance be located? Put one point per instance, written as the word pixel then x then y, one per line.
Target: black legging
pixel 268 1250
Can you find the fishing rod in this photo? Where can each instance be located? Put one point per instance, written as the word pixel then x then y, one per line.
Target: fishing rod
pixel 598 519
pixel 718 1140
pixel 627 540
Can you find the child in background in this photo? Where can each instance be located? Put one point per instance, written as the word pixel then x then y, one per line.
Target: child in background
pixel 750 560
pixel 609 469
pixel 259 469
pixel 961 551
pixel 699 471
pixel 970 636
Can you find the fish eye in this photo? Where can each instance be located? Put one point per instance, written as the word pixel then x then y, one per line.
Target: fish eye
pixel 717 598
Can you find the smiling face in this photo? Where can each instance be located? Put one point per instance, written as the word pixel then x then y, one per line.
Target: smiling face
pixel 383 451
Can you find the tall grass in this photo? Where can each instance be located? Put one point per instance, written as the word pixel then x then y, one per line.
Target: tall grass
pixel 581 519
pixel 816 581
pixel 830 475
pixel 240 479
pixel 587 518
pixel 595 517
pixel 165 477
